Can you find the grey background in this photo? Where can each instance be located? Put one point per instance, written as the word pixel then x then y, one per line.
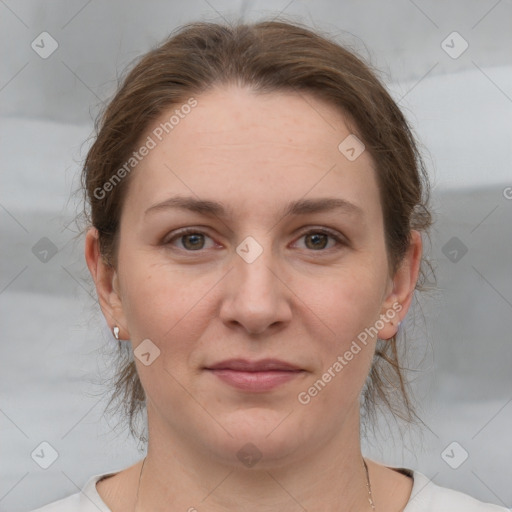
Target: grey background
pixel 55 344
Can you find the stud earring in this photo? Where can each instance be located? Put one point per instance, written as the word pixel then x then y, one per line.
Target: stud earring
pixel 116 332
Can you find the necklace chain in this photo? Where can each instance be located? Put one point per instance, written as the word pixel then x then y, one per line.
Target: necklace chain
pixel 368 486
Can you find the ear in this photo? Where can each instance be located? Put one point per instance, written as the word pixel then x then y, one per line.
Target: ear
pixel 399 298
pixel 107 284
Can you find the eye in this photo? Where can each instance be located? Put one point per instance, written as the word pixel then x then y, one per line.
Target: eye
pixel 193 239
pixel 316 239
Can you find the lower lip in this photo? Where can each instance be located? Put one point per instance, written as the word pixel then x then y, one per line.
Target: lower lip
pixel 256 381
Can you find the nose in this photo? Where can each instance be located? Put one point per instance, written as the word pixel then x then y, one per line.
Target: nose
pixel 256 295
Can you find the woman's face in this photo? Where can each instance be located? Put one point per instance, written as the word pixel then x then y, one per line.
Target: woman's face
pixel 251 281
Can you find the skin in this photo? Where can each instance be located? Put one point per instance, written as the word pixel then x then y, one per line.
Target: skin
pixel 298 302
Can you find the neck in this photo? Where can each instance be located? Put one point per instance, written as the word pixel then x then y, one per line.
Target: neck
pixel 328 477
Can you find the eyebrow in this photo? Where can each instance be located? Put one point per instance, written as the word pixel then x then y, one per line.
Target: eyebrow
pixel 299 207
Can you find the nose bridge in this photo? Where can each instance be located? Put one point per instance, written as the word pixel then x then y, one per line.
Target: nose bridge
pixel 253 266
pixel 257 299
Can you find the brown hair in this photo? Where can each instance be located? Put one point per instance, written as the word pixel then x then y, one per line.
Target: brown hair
pixel 266 56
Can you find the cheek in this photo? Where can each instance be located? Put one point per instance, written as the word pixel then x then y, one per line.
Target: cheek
pixel 346 308
pixel 169 306
pixel 344 349
pixel 348 301
pixel 165 308
pixel 159 303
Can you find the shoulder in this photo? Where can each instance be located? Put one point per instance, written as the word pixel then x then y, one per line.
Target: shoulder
pixel 426 496
pixel 87 500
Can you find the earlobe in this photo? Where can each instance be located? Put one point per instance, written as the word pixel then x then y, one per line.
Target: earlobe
pixel 397 303
pixel 106 282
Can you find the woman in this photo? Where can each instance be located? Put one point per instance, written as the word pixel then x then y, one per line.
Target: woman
pixel 257 204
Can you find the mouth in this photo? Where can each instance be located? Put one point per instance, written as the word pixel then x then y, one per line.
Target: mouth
pixel 255 376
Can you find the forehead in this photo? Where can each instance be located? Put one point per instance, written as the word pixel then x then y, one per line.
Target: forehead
pixel 254 150
pixel 233 116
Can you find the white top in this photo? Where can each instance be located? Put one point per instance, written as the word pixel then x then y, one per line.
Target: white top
pixel 426 496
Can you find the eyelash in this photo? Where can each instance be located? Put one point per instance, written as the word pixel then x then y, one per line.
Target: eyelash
pixel 187 231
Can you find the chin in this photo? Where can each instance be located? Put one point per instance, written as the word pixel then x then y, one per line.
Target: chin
pixel 261 438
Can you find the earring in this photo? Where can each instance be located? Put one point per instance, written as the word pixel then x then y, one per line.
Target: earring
pixel 116 332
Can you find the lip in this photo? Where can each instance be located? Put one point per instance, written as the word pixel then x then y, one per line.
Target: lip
pixel 244 365
pixel 255 376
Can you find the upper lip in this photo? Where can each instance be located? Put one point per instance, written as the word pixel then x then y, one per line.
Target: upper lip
pixel 244 365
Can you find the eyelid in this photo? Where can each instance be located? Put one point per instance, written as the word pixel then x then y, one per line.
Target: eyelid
pixel 321 229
